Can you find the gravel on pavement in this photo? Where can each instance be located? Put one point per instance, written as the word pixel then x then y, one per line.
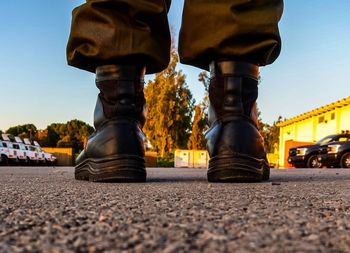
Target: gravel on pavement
pixel 176 210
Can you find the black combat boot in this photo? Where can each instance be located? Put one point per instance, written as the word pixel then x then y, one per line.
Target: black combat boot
pixel 115 151
pixel 234 143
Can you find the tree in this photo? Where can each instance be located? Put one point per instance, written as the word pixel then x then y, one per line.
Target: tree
pixel 270 133
pixel 23 131
pixel 197 139
pixel 200 121
pixel 71 134
pixel 169 109
pixel 273 136
pixel 205 80
pixel 48 137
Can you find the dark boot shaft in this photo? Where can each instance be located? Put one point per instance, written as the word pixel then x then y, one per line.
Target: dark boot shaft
pixel 116 149
pixel 121 93
pixel 233 90
pixel 234 143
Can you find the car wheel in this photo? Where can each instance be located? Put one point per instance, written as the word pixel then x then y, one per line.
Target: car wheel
pixel 4 160
pixel 26 162
pixel 345 161
pixel 312 162
pixel 15 162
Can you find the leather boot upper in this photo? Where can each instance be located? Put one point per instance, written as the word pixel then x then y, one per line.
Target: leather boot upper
pixel 233 129
pixel 119 114
pixel 121 94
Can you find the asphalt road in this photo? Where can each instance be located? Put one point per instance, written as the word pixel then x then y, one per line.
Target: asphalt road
pixel 177 210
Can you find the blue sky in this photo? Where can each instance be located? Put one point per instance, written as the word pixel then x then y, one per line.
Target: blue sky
pixel 36 85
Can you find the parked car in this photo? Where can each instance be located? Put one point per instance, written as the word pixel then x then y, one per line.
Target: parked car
pixel 33 154
pixel 15 151
pixel 336 154
pixel 4 154
pixel 21 153
pixel 50 159
pixel 9 151
pixel 26 156
pixel 307 156
pixel 41 156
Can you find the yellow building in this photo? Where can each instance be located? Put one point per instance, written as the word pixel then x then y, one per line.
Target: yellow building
pixel 312 126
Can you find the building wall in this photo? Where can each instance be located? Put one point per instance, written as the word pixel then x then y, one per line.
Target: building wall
pixel 326 124
pixel 304 130
pixel 344 121
pixel 313 129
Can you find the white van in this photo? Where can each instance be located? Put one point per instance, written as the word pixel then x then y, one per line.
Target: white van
pixel 10 151
pixel 4 154
pixel 21 152
pixel 50 159
pixel 32 153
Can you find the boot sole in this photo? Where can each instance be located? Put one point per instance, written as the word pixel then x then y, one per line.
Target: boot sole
pixel 237 169
pixel 121 168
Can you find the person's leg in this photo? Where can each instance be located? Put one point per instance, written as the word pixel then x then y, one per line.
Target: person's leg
pixel 119 40
pixel 232 38
pixel 123 32
pixel 240 30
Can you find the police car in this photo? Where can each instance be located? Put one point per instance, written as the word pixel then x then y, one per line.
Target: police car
pixel 307 156
pixel 336 154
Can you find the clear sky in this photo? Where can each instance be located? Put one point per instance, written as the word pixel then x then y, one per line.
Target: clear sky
pixel 36 85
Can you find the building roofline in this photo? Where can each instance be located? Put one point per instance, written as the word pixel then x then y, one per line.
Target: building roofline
pixel 315 112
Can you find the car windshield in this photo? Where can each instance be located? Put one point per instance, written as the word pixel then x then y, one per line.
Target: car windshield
pixel 325 140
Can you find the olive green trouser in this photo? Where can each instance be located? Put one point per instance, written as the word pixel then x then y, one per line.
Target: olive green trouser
pixel 137 32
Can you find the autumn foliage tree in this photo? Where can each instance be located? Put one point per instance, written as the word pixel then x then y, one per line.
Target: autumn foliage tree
pixel 169 109
pixel 270 134
pixel 199 125
pixel 200 121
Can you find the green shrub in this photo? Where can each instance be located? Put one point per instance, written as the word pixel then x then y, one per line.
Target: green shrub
pixel 167 161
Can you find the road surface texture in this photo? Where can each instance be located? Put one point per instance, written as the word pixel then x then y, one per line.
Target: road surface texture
pixel 177 210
